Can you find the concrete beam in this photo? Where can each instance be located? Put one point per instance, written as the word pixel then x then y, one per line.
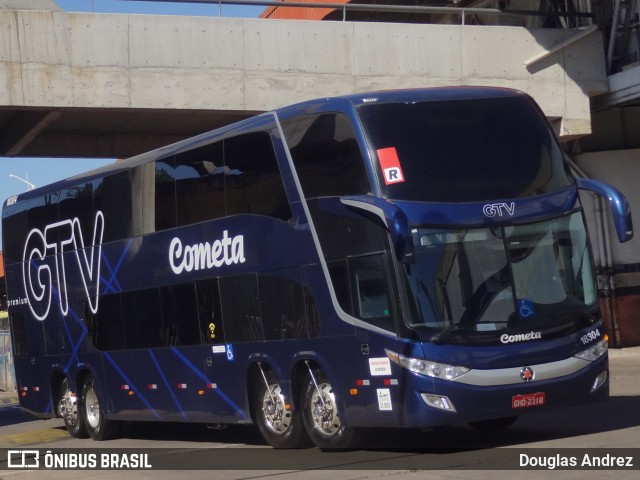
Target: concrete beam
pixel 24 129
pixel 29 5
pixel 624 88
pixel 58 61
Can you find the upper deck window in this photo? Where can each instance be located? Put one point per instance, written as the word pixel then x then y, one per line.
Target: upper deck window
pixel 238 175
pixel 326 155
pixel 463 150
pixel 253 184
pixel 118 196
pixel 199 188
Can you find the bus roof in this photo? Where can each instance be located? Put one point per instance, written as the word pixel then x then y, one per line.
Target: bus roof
pixel 338 103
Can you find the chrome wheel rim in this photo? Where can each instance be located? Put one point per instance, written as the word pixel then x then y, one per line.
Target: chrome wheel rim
pixel 324 411
pixel 92 408
pixel 68 407
pixel 277 417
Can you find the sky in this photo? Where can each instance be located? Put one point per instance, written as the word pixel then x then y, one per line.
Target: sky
pixel 159 8
pixel 42 171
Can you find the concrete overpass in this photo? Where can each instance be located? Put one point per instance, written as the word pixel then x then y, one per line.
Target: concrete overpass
pixel 113 85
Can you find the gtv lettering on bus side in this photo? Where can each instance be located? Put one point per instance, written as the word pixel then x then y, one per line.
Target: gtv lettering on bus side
pixel 56 239
pixel 201 256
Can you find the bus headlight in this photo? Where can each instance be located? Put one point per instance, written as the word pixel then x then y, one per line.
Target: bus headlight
pixel 594 352
pixel 426 367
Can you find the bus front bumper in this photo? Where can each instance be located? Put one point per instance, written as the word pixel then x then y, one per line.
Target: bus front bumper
pixel 482 396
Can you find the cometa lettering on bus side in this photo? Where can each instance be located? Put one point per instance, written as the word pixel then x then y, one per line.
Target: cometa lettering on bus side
pixel 201 256
pixel 520 337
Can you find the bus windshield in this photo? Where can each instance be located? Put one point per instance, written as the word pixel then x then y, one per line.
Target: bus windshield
pixel 465 150
pixel 476 285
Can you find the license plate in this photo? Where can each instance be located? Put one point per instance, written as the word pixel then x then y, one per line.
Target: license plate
pixel 528 400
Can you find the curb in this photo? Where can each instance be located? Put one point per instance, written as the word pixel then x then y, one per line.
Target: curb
pixel 8 398
pixel 629 352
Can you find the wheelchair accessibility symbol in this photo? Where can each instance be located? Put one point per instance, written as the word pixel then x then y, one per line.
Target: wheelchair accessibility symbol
pixel 230 356
pixel 526 309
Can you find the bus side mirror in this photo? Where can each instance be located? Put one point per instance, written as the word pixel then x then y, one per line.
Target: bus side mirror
pixel 391 217
pixel 619 206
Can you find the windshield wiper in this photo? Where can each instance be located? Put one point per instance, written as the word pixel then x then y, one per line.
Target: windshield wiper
pixel 568 320
pixel 443 334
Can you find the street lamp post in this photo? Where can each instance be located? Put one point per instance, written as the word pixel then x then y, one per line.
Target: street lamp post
pixel 30 186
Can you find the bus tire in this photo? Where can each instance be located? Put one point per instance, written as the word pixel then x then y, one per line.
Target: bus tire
pixel 321 416
pixel 97 425
pixel 279 426
pixel 493 424
pixel 70 409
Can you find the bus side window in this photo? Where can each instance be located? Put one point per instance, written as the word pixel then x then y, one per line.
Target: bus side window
pixel 253 183
pixel 282 306
pixel 199 179
pixel 312 316
pixel 370 290
pixel 362 289
pixel 165 194
pixel 142 318
pixel 209 311
pixel 77 202
pixel 14 232
pixel 106 328
pixel 340 280
pixel 180 315
pixel 42 211
pixel 19 334
pixel 241 308
pixel 326 155
pixel 113 195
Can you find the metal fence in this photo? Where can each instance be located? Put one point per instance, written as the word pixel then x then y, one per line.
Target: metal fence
pixel 575 16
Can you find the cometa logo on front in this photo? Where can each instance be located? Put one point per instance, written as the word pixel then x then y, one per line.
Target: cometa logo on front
pixel 203 256
pixel 520 337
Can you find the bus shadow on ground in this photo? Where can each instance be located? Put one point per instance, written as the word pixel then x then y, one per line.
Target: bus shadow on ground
pixel 12 414
pixel 458 447
pixel 617 413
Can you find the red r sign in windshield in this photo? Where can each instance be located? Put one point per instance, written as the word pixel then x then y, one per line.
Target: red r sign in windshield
pixel 390 164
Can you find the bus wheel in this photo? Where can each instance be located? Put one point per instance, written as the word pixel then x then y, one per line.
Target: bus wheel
pixel 280 426
pixel 70 411
pixel 97 425
pixel 321 416
pixel 494 424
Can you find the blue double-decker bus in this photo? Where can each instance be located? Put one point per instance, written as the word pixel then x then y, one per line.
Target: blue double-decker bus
pixel 393 259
